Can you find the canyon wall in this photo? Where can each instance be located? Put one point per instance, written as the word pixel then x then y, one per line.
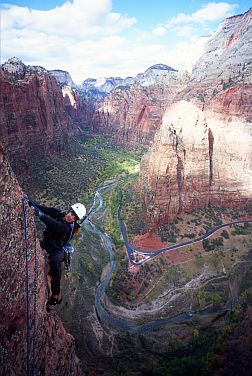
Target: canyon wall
pixel 197 158
pixel 134 113
pixel 33 117
pixel 80 108
pixel 202 153
pixel 50 348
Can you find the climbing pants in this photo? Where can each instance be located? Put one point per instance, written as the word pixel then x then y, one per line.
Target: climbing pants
pixel 55 259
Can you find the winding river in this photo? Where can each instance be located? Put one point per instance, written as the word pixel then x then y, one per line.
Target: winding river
pixel 129 325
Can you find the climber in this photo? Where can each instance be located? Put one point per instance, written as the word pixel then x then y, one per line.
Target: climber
pixel 60 229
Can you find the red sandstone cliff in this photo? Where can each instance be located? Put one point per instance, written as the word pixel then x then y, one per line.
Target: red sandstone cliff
pixel 53 352
pixel 202 153
pixel 33 118
pixel 133 114
pixel 197 158
pixel 80 109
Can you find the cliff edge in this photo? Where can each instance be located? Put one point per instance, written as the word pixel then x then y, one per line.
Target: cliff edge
pixel 32 340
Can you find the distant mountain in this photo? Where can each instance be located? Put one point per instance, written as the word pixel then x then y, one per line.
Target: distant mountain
pixel 162 67
pixel 63 77
pixel 18 70
pixel 158 73
pixel 105 84
pixel 100 87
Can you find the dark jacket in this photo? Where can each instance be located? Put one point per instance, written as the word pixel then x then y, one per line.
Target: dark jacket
pixel 57 232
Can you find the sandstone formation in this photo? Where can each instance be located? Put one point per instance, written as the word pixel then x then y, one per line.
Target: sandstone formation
pixel 33 117
pixel 62 77
pixel 133 114
pixel 80 109
pixel 104 84
pixel 227 56
pixel 222 77
pixel 50 348
pixel 158 73
pixel 203 152
pixel 197 158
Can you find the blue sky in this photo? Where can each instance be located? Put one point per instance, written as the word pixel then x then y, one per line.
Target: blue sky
pixel 97 38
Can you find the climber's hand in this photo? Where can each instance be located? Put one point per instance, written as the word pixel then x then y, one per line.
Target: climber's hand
pixel 31 202
pixel 37 212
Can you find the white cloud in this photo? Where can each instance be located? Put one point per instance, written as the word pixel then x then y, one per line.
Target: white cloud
pixel 85 37
pixel 78 19
pixel 208 13
pixel 55 37
pixel 184 31
pixel 189 25
pixel 185 54
pixel 159 31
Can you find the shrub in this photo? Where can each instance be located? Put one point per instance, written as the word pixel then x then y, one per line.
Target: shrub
pixel 225 234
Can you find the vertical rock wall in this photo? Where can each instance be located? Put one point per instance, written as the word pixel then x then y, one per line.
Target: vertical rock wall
pixel 198 158
pixel 50 348
pixel 33 118
pixel 134 114
pixel 202 153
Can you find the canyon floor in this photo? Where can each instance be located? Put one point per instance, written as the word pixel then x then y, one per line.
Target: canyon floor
pixel 199 281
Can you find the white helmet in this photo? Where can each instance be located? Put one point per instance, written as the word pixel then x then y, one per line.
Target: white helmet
pixel 79 210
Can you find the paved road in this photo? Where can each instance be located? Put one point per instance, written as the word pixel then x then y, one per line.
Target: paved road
pixel 150 253
pixel 132 326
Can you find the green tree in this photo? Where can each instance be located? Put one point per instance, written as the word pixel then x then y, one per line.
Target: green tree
pixel 225 234
pixel 201 298
pixel 215 260
pixel 215 298
pixel 199 260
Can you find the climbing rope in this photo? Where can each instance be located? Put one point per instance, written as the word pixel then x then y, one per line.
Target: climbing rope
pixel 34 305
pixel 30 341
pixel 26 285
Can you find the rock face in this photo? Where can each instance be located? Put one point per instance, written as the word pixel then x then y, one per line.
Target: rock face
pixel 155 74
pixel 15 69
pixel 80 108
pixel 158 73
pixel 222 77
pixel 132 108
pixel 197 158
pixel 62 77
pixel 80 105
pixel 203 152
pixel 33 115
pixel 133 114
pixel 227 57
pixel 104 84
pixel 50 348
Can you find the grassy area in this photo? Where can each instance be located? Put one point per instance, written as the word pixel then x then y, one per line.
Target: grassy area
pixel 193 224
pixel 134 211
pixel 61 181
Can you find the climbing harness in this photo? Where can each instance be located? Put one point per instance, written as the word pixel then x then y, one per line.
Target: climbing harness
pixel 30 341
